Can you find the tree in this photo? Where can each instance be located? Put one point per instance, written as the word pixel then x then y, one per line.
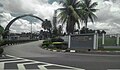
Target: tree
pixel 69 14
pixel 60 30
pixel 1 30
pixel 88 9
pixel 47 25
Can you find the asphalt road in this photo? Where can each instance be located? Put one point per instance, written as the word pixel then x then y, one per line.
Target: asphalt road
pixel 79 60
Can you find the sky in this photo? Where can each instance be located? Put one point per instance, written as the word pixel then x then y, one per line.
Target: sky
pixel 108 14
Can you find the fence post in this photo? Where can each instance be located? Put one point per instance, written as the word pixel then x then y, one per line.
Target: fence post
pixel 103 39
pixel 95 41
pixel 69 38
pixel 117 39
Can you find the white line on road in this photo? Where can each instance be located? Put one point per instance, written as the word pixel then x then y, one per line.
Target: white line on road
pixel 1 66
pixel 41 67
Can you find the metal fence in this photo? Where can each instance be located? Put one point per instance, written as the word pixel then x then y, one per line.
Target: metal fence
pixel 109 40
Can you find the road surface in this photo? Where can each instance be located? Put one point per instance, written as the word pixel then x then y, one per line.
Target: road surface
pixel 32 51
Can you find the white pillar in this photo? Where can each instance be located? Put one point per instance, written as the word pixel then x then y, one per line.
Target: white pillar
pixel 103 39
pixel 95 41
pixel 69 41
pixel 117 39
pixel 97 37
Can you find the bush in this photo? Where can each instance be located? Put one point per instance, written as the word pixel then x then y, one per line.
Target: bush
pixel 46 43
pixel 2 43
pixel 1 50
pixel 57 43
pixel 57 40
pixel 60 45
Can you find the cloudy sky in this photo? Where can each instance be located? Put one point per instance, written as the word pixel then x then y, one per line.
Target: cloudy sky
pixel 108 14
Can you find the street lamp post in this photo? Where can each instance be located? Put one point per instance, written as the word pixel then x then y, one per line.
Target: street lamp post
pixel 31 30
pixel 55 19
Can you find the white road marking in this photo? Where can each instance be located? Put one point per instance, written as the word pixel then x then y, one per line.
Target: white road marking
pixel 41 67
pixel 1 66
pixel 21 67
pixel 9 59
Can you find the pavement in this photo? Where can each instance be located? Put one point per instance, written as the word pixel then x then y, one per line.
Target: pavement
pixel 32 51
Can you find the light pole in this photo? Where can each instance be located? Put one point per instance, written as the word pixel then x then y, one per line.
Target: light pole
pixel 55 19
pixel 31 30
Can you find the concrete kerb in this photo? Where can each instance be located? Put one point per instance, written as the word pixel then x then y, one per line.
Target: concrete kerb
pixel 58 50
pixel 89 52
pixel 84 51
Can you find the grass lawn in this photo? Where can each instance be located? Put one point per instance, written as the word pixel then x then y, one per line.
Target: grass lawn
pixel 108 42
pixel 110 49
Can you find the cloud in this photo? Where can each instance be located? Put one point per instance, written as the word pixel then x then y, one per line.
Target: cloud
pixel 14 8
pixel 108 14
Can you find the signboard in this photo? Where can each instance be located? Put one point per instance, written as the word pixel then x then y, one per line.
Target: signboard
pixel 85 41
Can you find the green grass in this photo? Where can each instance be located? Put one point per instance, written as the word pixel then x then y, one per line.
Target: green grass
pixel 108 42
pixel 110 49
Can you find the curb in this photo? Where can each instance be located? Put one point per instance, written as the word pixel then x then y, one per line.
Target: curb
pixel 88 52
pixel 72 51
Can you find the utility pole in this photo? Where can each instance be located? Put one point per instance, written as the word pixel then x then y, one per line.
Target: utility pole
pixel 31 30
pixel 55 19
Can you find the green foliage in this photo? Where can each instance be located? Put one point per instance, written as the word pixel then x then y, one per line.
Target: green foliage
pixel 57 43
pixel 109 49
pixel 88 9
pixel 108 42
pixel 2 42
pixel 1 50
pixel 75 11
pixel 47 24
pixel 57 39
pixel 1 30
pixel 46 43
pixel 10 42
pixel 55 32
pixel 54 43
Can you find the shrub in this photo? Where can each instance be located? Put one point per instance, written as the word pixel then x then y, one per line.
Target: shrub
pixel 1 43
pixel 1 50
pixel 57 40
pixel 60 45
pixel 46 43
pixel 57 43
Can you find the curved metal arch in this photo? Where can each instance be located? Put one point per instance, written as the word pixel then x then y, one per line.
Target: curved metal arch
pixel 13 20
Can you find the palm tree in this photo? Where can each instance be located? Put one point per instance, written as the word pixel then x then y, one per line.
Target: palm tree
pixel 69 14
pixel 1 30
pixel 75 11
pixel 60 30
pixel 88 9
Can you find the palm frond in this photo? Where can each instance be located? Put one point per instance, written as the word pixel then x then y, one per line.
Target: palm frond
pixel 93 5
pixel 78 24
pixel 62 17
pixel 94 10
